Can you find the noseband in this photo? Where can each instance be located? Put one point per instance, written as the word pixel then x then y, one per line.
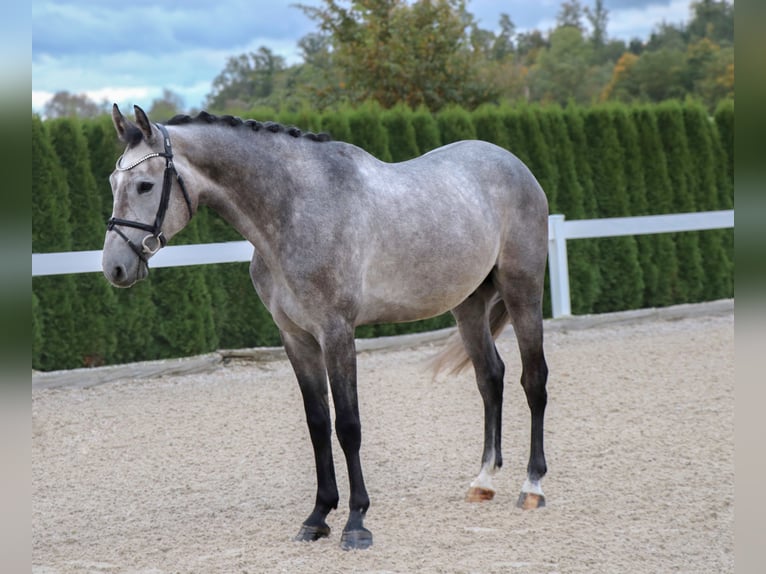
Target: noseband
pixel 144 251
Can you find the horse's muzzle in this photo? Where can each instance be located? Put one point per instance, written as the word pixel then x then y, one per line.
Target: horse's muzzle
pixel 125 275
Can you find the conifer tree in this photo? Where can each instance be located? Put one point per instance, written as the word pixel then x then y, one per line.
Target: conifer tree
pixel 635 186
pixel 336 124
pixel 426 130
pixel 621 281
pixel 402 143
pixel 455 125
pixel 305 119
pixel 94 340
pixel 515 135
pixel 534 125
pixel 670 124
pixel 582 271
pixel 241 320
pixel 103 150
pixel 367 130
pixel 488 124
pixel 724 178
pixel 583 255
pixel 51 233
pixel 724 120
pixel 183 305
pixel 702 176
pixel 662 286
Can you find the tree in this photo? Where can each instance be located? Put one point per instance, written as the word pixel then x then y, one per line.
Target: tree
pixel 621 280
pixel 661 285
pixel 635 185
pixel 51 233
pixel 455 124
pixel 503 46
pixel 703 182
pixel 367 130
pixel 183 301
pixel 93 341
pixel 659 75
pixel 336 124
pixel 570 15
pixel 402 142
pixel 623 85
pixel 167 106
pixel 598 17
pixel 583 270
pixel 585 278
pixel 66 105
pixel 670 124
pixel 426 130
pixel 561 71
pixel 488 124
pixel 247 80
pixel 392 51
pixel 712 19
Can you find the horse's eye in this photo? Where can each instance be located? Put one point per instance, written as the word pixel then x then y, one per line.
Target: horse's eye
pixel 145 187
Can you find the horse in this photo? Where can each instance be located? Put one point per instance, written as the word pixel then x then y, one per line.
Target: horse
pixel 342 239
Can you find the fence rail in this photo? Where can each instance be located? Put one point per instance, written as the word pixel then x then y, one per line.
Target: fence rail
pixel 559 231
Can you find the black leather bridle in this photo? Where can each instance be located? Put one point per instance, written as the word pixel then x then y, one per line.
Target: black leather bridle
pixel 144 251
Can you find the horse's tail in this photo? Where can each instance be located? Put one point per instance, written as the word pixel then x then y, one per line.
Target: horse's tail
pixel 453 359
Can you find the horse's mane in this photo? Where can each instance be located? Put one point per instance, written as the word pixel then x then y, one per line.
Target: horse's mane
pixel 233 121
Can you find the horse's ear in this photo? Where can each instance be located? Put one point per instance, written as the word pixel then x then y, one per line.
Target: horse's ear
pixel 144 124
pixel 121 124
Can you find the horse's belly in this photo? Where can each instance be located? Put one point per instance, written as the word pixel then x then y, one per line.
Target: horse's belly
pixel 419 289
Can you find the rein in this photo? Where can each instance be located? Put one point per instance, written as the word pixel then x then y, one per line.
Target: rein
pixel 144 251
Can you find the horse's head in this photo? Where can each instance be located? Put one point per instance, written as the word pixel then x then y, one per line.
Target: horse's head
pixel 151 203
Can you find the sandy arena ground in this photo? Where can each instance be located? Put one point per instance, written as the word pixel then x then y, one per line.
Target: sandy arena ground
pixel 213 472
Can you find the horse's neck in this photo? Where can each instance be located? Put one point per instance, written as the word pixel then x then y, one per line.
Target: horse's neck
pixel 246 188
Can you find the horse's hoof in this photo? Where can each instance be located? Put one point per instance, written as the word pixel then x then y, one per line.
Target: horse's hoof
pixel 529 500
pixel 479 494
pixel 310 533
pixel 356 539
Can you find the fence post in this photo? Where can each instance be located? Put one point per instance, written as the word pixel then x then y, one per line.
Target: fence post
pixel 558 266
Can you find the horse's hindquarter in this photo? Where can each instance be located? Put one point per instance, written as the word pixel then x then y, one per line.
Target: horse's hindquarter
pixel 437 227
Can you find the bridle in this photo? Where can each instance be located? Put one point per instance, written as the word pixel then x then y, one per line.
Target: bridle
pixel 144 251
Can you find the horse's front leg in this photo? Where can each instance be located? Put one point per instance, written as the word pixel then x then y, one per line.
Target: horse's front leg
pixel 306 358
pixel 340 359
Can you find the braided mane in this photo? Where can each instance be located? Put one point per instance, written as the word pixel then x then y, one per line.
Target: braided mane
pixel 233 121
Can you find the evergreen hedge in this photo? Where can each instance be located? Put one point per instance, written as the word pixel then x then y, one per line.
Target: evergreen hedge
pixel 597 162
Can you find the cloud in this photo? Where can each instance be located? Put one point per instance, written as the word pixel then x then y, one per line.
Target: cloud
pixel 83 26
pixel 123 51
pixel 641 21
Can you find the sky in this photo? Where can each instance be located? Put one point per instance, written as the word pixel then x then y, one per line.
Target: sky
pixel 128 52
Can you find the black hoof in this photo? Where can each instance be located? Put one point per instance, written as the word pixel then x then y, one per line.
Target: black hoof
pixel 310 533
pixel 356 539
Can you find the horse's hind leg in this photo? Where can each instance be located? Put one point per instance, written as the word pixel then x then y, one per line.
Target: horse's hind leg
pixel 523 297
pixel 474 325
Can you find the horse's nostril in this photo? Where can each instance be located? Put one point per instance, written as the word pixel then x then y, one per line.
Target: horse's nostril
pixel 118 273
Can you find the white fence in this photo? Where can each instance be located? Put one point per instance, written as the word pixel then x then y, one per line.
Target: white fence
pixel 559 231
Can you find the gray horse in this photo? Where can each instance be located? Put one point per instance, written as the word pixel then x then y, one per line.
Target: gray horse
pixel 342 239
